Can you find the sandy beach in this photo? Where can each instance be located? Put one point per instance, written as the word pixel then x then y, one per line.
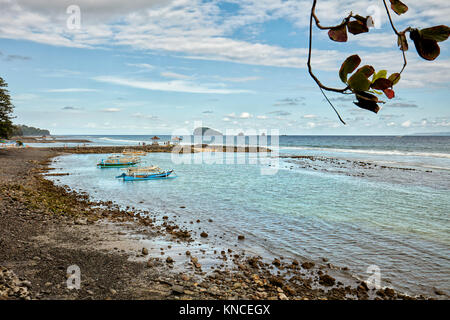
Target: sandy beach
pixel 47 228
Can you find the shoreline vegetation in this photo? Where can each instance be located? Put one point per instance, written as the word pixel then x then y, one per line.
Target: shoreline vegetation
pixel 47 228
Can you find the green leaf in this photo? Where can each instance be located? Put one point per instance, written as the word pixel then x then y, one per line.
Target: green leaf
pixel 349 65
pixel 395 78
pixel 366 70
pixel 402 42
pixel 357 27
pixel 426 48
pixel 381 84
pixel 367 101
pixel 379 74
pixel 359 82
pixel 438 33
pixel 338 34
pixel 398 6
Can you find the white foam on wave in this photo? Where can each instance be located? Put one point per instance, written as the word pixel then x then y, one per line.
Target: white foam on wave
pixel 120 140
pixel 376 152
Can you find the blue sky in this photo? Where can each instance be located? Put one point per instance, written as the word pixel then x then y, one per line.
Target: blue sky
pixel 152 67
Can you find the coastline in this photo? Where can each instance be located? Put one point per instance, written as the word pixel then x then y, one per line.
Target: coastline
pixel 47 228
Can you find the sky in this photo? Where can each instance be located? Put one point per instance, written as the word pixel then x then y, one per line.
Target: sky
pixel 157 66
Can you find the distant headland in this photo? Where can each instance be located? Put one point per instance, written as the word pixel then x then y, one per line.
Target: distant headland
pixel 23 130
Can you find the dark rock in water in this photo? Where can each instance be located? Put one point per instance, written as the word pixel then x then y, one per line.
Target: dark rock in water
pixel 176 289
pixel 144 251
pixel 254 262
pixel 276 281
pixel 203 235
pixel 188 253
pixel 438 292
pixel 389 292
pixel 241 237
pixel 307 265
pixel 169 260
pixel 327 280
pixel 380 293
pixel 290 290
pixel 295 262
pixel 364 286
pixel 276 262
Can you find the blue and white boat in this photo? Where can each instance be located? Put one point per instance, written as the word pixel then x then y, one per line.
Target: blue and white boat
pixel 118 161
pixel 145 173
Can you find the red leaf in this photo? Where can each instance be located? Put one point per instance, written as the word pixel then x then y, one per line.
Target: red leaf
pixel 338 34
pixel 389 93
pixel 381 84
pixel 357 27
pixel 398 6
pixel 426 48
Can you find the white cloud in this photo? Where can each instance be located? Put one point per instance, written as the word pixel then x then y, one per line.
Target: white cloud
pixel 407 124
pixel 311 125
pixel 245 115
pixel 144 66
pixel 25 97
pixel 261 117
pixel 241 79
pixel 144 116
pixel 110 110
pixel 72 90
pixel 309 116
pixel 174 75
pixel 197 29
pixel 173 85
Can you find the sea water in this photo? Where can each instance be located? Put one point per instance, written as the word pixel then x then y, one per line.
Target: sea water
pixel 392 213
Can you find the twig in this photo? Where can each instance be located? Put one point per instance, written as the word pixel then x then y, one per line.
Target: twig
pixel 309 56
pixel 321 86
pixel 339 116
pixel 398 35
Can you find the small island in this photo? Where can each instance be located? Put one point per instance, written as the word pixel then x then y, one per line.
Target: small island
pixel 205 131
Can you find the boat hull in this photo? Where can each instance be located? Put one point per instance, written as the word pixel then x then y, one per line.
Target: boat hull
pixel 116 165
pixel 146 177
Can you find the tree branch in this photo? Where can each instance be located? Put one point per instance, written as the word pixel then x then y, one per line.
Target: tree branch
pixel 398 35
pixel 321 86
pixel 313 16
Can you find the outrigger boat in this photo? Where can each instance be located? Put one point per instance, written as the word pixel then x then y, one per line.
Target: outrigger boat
pixel 145 173
pixel 118 161
pixel 132 152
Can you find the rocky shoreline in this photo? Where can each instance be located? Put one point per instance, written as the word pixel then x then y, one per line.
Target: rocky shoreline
pixel 47 228
pixel 158 148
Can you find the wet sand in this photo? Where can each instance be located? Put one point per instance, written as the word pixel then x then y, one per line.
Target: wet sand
pixel 47 228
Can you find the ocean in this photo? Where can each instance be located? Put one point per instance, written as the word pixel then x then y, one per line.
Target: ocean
pixel 358 201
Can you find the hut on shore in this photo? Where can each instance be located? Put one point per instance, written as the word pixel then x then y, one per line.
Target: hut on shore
pixel 176 140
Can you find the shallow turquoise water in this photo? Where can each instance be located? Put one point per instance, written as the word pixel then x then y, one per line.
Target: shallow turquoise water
pixel 394 222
